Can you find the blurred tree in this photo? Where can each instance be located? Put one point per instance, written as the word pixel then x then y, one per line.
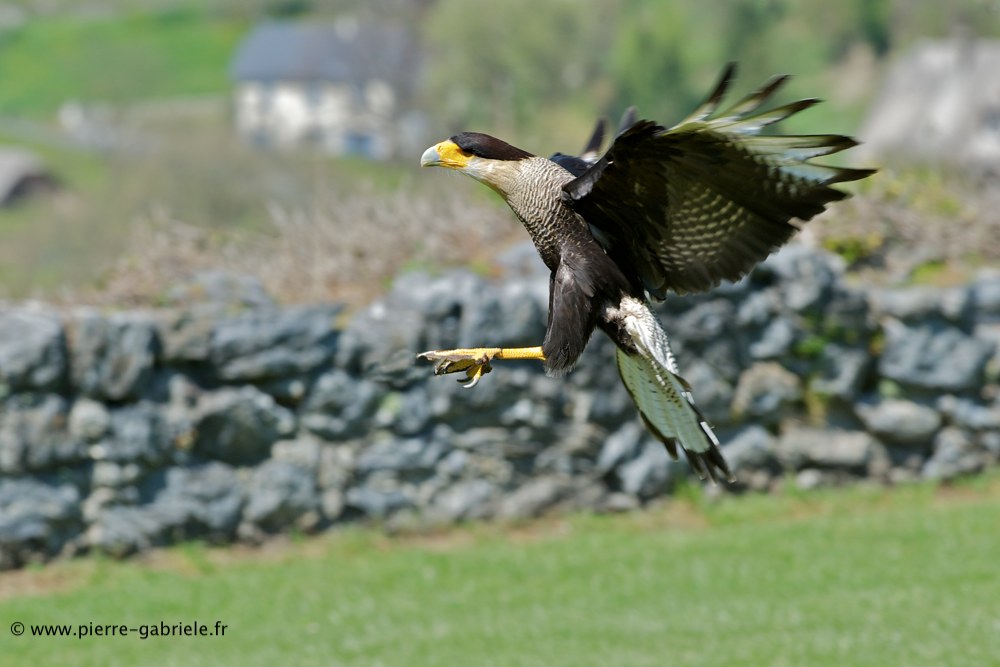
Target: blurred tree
pixel 289 8
pixel 500 69
pixel 875 19
pixel 650 62
pixel 747 34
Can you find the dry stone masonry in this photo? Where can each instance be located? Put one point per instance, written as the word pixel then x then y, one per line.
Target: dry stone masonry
pixel 224 416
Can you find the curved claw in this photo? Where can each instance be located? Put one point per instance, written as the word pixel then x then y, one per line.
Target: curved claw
pixel 474 374
pixel 474 363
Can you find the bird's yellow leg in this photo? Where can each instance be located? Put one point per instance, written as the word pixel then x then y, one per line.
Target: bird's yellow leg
pixel 475 361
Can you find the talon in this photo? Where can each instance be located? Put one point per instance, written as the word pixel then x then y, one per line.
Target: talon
pixel 475 363
pixel 474 373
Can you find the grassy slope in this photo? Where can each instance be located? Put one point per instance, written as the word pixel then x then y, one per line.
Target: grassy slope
pixel 121 59
pixel 905 577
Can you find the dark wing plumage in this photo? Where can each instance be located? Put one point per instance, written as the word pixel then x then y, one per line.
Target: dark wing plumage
pixel 571 316
pixel 585 278
pixel 706 200
pixel 579 164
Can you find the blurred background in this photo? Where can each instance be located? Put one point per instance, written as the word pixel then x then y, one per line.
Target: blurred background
pixel 219 257
pixel 173 135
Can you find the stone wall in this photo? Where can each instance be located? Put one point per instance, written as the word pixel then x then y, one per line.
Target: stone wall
pixel 223 416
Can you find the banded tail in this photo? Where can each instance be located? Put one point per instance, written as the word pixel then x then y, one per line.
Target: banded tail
pixel 663 397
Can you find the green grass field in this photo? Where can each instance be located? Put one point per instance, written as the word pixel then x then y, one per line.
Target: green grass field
pixel 123 58
pixel 845 578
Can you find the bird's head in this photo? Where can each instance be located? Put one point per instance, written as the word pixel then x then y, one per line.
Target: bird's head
pixel 486 159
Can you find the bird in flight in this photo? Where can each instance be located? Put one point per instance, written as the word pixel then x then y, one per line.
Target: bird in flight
pixel 663 209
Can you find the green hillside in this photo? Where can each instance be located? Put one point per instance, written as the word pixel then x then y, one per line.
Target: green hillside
pixel 117 59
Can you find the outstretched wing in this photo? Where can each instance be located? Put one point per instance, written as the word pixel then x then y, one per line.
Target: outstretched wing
pixel 706 200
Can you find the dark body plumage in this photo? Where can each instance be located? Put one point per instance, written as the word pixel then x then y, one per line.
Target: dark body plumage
pixel 677 209
pixel 585 281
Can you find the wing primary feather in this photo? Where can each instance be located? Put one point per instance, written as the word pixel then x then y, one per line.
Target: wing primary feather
pixel 592 150
pixel 711 103
pixel 754 100
pixel 629 117
pixel 799 148
pixel 754 124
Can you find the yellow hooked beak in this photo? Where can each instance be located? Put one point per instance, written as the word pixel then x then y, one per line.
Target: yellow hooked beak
pixel 445 154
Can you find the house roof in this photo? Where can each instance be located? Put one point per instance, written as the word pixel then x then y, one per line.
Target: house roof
pixel 346 51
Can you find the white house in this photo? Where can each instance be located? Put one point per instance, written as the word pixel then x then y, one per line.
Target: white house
pixel 339 87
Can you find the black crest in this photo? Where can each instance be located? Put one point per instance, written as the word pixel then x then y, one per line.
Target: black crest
pixel 485 146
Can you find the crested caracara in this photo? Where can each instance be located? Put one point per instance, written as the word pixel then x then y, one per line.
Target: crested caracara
pixel 663 209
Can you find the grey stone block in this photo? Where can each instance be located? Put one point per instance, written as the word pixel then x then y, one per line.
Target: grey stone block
pixel 934 358
pixel 33 354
